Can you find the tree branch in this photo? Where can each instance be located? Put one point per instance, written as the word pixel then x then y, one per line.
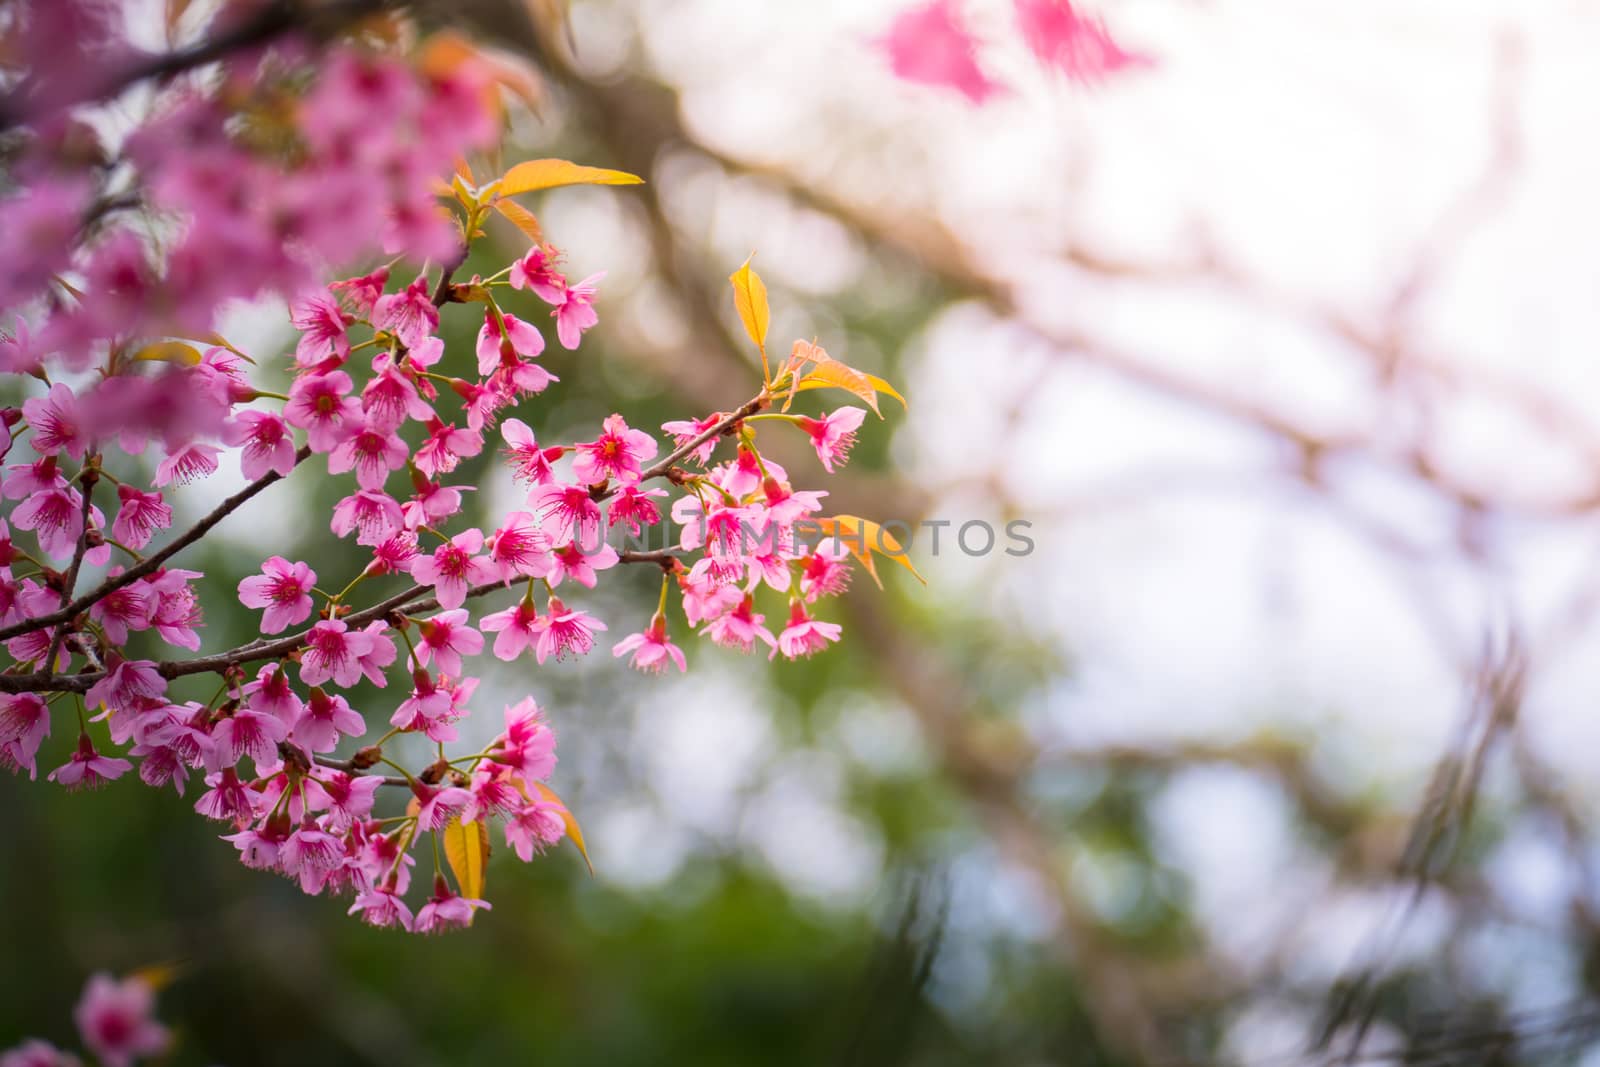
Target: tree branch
pixel 151 563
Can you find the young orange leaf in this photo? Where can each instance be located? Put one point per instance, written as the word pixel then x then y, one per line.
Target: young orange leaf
pixel 750 297
pixel 521 218
pixel 571 821
pixel 169 352
pixel 466 849
pixel 536 174
pixel 863 537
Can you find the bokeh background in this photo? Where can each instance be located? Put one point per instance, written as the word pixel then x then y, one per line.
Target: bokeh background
pixel 1278 748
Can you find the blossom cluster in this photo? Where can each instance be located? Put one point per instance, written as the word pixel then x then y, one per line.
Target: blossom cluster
pixel 931 44
pixel 130 401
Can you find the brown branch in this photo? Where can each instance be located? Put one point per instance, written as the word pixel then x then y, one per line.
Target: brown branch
pixel 151 563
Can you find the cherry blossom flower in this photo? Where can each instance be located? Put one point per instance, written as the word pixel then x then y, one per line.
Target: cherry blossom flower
pixel 651 649
pixel 804 635
pixel 827 571
pixel 284 589
pixel 24 724
pixel 373 454
pixel 566 512
pixel 528 745
pixel 333 652
pixel 408 314
pixel 833 435
pixel 535 271
pixel 248 733
pixel 454 567
pixel 325 718
pixel 390 398
pixel 139 516
pixel 929 44
pixel 740 628
pixel 87 769
pixel 432 502
pixel 115 1020
pixel 56 517
pixel 321 404
pixel 350 796
pixel 382 907
pixel 322 324
pixel 122 610
pixel 36 1053
pixel 684 431
pixel 618 454
pixel 529 462
pixel 56 422
pixel 520 549
pixel 535 828
pixel 374 515
pixel 636 507
pixel 520 339
pixel 265 442
pixel 562 631
pixel 446 911
pixel 127 682
pixel 445 447
pixel 187 464
pixel 569 561
pixel 445 638
pixel 1077 45
pixel 517 627
pixel 358 296
pixel 575 312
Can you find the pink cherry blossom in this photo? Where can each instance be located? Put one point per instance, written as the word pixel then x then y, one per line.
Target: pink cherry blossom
pixel 382 907
pixel 446 911
pixel 529 462
pixel 569 561
pixel 528 745
pixel 322 324
pixel 827 571
pixel 684 431
pixel 445 447
pixel 139 516
pixel 520 549
pixel 930 45
pixel 325 719
pixel 408 314
pixel 575 312
pixel 87 769
pixel 249 733
pixel 651 649
pixel 57 425
pixel 445 638
pixel 36 1053
pixel 359 295
pixel 562 631
pixel 517 627
pixel 740 628
pixel 618 454
pixel 115 1020
pixel 520 339
pixel 24 724
pixel 372 452
pixel 265 443
pixel 535 828
pixel 834 435
pixel 1077 45
pixel 333 652
pixel 804 635
pixel 566 512
pixel 375 516
pixel 56 517
pixel 636 507
pixel 536 271
pixel 454 567
pixel 321 405
pixel 187 464
pixel 284 589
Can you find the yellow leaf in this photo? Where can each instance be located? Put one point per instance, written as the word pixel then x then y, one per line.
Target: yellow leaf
pixel 750 297
pixel 538 174
pixel 157 975
pixel 863 537
pixel 169 352
pixel 222 342
pixel 831 374
pixel 884 387
pixel 521 218
pixel 571 821
pixel 466 849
